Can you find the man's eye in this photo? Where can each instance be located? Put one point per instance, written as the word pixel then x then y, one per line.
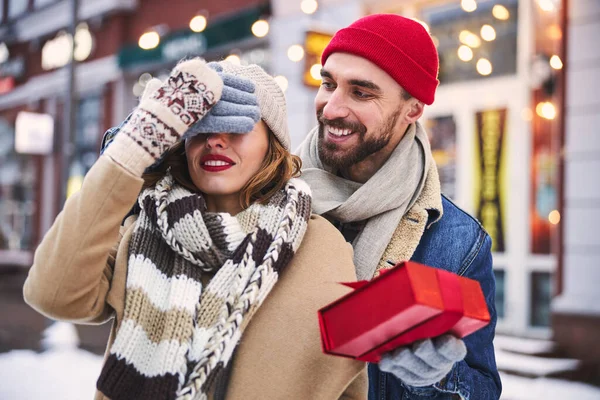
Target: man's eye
pixel 327 85
pixel 361 95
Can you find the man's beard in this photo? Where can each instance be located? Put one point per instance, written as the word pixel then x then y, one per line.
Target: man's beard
pixel 330 152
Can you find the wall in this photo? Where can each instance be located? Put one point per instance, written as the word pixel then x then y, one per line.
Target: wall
pixel 576 319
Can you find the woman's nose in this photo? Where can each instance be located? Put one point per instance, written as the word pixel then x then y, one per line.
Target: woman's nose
pixel 217 140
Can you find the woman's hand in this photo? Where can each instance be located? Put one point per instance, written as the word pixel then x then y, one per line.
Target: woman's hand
pixel 165 113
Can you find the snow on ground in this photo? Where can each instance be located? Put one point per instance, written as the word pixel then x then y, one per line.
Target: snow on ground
pixel 518 388
pixel 65 372
pixel 70 374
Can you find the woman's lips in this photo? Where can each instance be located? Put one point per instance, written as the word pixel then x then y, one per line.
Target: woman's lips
pixel 215 163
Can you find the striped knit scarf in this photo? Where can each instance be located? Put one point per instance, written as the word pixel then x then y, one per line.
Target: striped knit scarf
pixel 176 335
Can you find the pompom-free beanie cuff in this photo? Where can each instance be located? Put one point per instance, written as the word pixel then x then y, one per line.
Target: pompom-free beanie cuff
pixel 387 56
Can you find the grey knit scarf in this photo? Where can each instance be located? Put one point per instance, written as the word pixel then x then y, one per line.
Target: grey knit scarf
pixel 176 335
pixel 382 200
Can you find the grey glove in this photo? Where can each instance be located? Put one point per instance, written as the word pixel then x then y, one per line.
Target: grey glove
pixel 236 112
pixel 425 362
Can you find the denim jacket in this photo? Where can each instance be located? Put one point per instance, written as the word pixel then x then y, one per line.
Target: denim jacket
pixel 457 243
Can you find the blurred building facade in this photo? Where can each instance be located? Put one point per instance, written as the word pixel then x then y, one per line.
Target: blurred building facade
pixel 511 127
pixel 119 46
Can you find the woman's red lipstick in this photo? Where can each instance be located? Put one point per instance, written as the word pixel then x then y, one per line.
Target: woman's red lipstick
pixel 215 163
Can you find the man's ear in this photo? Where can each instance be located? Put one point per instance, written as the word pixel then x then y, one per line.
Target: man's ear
pixel 415 111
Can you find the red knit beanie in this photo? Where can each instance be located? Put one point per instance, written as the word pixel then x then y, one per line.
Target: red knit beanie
pixel 400 46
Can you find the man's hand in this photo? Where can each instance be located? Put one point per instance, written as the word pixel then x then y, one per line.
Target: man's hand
pixel 425 362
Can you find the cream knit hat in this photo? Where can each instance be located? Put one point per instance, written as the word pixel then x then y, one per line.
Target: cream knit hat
pixel 271 99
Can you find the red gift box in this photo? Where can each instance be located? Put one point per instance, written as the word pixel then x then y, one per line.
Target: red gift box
pixel 409 302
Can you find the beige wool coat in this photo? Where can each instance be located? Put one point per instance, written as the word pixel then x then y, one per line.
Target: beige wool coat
pixel 80 270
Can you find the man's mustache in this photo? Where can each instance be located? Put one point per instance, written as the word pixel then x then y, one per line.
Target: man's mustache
pixel 341 123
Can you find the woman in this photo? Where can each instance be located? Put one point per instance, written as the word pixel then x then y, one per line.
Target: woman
pixel 215 277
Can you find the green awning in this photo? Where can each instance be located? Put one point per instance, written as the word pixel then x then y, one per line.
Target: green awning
pixel 182 43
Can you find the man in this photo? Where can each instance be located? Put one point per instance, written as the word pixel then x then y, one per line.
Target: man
pixel 372 174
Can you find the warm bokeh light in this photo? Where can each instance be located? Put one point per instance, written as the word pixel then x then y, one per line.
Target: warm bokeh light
pixel 500 12
pixel 554 217
pixel 198 23
pixel 234 59
pixel 484 66
pixel 469 38
pixel 282 82
pixel 315 71
pixel 309 6
pixel 149 40
pixel 260 28
pixel 465 53
pixel 556 62
pixel 546 110
pixel 295 52
pixel 468 5
pixel 488 33
pixel 547 5
pixel 554 32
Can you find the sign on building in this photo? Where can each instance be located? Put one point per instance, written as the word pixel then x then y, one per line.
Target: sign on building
pixel 34 133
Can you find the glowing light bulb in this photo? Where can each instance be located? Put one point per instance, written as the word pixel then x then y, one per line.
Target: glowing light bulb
pixel 488 33
pixel 554 217
pixel 315 71
pixel 556 62
pixel 465 53
pixel 468 5
pixel 149 40
pixel 484 66
pixel 260 28
pixel 198 23
pixel 309 6
pixel 295 52
pixel 500 12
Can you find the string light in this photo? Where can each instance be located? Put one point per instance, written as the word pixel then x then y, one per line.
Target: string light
pixel 484 66
pixel 488 33
pixel 295 52
pixel 315 72
pixel 556 62
pixel 470 39
pixel 198 23
pixel 234 59
pixel 500 12
pixel 468 5
pixel 465 53
pixel 554 217
pixel 149 40
pixel 546 110
pixel 309 6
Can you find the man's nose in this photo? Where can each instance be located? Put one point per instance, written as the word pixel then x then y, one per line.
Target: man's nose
pixel 336 106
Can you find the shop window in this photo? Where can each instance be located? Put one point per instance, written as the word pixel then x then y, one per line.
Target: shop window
pixel 17 7
pixel 17 193
pixel 500 276
pixel 87 139
pixel 442 136
pixel 477 44
pixel 541 296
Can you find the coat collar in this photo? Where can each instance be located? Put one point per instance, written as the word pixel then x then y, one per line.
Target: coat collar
pixel 426 211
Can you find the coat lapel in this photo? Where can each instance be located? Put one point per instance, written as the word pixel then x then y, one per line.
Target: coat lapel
pixel 426 211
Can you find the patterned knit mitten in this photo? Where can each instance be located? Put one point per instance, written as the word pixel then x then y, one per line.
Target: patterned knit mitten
pixel 164 114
